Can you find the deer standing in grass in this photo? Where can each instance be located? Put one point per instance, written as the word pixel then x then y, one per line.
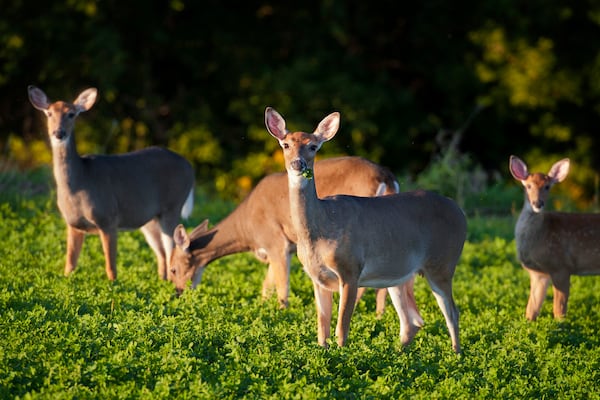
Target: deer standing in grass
pixel 102 194
pixel 262 224
pixel 346 242
pixel 552 246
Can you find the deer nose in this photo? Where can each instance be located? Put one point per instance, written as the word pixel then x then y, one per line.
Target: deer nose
pixel 537 205
pixel 299 164
pixel 59 133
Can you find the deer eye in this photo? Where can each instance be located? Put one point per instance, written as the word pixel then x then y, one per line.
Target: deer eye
pixel 49 113
pixel 528 186
pixel 313 147
pixel 547 187
pixel 71 115
pixel 285 146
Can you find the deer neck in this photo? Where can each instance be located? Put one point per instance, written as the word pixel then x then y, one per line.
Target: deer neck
pixel 305 207
pixel 225 238
pixel 67 164
pixel 529 222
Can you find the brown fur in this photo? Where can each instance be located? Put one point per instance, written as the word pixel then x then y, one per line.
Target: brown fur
pixel 262 224
pixel 345 241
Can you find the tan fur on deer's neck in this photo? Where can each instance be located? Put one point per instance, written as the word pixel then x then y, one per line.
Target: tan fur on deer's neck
pixel 304 208
pixel 229 236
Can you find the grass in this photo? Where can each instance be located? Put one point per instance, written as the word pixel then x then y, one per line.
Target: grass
pixel 83 337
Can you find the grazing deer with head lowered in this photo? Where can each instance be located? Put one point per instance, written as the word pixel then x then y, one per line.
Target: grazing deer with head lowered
pixel 345 242
pixel 262 224
pixel 102 194
pixel 552 246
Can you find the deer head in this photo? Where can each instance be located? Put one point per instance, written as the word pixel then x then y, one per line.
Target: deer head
pixel 537 185
pixel 300 148
pixel 61 115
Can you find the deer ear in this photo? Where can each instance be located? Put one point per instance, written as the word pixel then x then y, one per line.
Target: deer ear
pixel 275 123
pixel 200 229
pixel 518 168
pixel 560 170
pixel 86 99
pixel 38 98
pixel 328 127
pixel 181 238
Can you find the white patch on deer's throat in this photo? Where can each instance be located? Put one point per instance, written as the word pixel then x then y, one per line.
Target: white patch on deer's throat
pixel 535 208
pixel 296 180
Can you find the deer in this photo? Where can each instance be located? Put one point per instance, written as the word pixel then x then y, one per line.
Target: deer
pixel 261 223
pixel 102 194
pixel 552 245
pixel 346 242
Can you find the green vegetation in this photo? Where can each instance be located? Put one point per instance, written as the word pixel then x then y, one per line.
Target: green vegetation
pixel 83 337
pixel 441 93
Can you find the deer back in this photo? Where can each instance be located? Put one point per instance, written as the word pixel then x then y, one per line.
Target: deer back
pixel 388 238
pixel 355 176
pixel 125 190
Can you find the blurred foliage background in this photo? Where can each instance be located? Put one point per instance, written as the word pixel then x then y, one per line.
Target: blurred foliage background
pixel 441 92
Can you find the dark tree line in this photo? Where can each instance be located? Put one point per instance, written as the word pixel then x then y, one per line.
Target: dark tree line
pixel 197 75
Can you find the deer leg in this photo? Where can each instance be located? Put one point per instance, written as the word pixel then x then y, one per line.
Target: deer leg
pixel 381 295
pixel 348 291
pixel 410 320
pixel 167 225
pixel 151 232
pixel 278 276
pixel 281 274
pixel 268 283
pixel 442 291
pixel 359 294
pixel 324 304
pixel 167 244
pixel 380 301
pixel 109 246
pixel 538 282
pixel 75 239
pixel 560 284
pixel 415 316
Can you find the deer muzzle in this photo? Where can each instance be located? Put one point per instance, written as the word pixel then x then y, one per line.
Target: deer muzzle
pixel 537 205
pixel 59 134
pixel 298 164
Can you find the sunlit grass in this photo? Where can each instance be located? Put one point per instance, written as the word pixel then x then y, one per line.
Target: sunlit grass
pixel 83 337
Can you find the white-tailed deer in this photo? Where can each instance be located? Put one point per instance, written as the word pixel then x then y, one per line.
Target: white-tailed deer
pixel 552 246
pixel 262 224
pixel 346 242
pixel 102 194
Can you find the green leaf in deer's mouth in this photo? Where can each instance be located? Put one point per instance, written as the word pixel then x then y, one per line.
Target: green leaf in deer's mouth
pixel 307 173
